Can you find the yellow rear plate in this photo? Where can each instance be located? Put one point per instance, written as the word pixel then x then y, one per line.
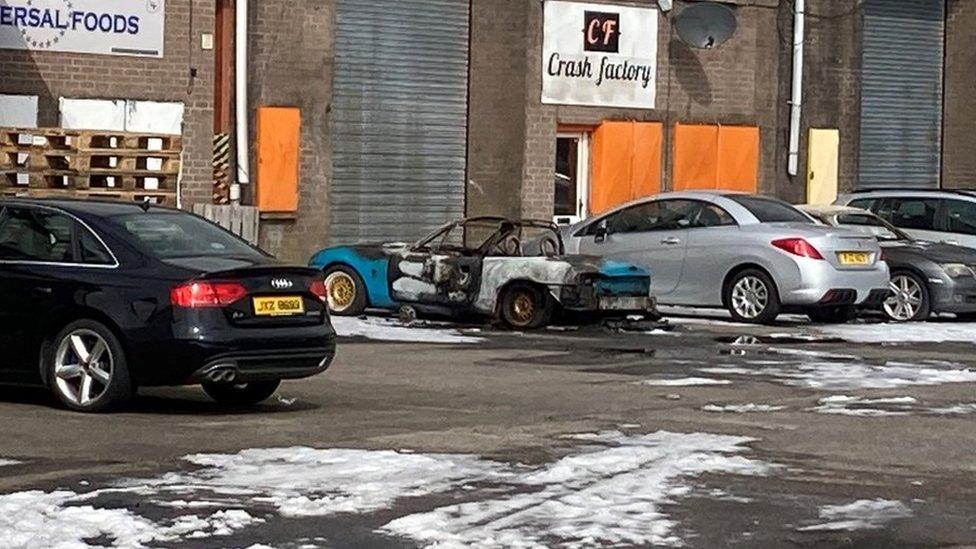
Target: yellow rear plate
pixel 854 258
pixel 278 306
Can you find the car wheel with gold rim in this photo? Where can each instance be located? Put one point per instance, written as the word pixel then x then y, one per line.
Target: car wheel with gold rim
pixel 525 306
pixel 345 291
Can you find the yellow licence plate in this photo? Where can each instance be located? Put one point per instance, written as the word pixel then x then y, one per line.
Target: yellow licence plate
pixel 854 258
pixel 278 306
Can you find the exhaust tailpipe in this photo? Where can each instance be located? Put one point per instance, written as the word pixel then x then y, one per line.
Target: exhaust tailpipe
pixel 225 374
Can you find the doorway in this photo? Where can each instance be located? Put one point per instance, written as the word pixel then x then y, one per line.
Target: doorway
pixel 571 179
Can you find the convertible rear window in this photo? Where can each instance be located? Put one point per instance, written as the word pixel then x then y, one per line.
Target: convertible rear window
pixel 168 234
pixel 769 210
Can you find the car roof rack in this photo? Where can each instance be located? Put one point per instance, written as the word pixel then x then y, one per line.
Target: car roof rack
pixel 967 192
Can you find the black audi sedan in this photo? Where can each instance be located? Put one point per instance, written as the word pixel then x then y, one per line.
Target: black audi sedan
pixel 926 277
pixel 99 298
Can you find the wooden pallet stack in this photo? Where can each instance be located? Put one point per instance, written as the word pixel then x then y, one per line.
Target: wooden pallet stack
pixel 55 162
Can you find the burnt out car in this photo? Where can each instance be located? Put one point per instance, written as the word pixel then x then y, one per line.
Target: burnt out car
pixel 513 270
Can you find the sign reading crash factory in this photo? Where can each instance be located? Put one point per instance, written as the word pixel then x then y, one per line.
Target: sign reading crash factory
pixel 110 27
pixel 599 55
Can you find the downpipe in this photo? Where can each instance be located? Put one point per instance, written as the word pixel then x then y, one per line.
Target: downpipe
pixel 796 96
pixel 240 107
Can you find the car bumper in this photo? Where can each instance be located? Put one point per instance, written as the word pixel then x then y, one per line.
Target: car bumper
pixel 258 354
pixel 587 299
pixel 953 295
pixel 821 284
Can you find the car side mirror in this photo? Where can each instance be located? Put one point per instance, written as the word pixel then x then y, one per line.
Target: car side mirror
pixel 601 232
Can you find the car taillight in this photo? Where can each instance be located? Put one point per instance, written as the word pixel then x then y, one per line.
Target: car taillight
pixel 206 294
pixel 319 289
pixel 797 246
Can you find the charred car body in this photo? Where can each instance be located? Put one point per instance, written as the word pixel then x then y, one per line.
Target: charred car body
pixel 482 265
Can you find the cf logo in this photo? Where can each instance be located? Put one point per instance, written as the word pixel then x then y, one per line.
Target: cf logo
pixel 601 31
pixel 281 283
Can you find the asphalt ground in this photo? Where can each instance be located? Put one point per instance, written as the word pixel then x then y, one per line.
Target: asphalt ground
pixel 514 397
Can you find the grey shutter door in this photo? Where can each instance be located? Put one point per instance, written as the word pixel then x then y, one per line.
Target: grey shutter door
pixel 901 93
pixel 399 118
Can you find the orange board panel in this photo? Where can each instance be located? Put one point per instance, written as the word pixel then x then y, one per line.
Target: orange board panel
pixel 709 156
pixel 695 156
pixel 738 158
pixel 625 163
pixel 278 143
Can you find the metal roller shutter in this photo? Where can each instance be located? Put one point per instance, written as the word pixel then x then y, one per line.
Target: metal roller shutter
pixel 901 93
pixel 399 118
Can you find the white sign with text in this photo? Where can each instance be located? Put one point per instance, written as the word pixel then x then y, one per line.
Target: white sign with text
pixel 599 55
pixel 109 27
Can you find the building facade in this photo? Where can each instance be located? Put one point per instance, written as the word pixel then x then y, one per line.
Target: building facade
pixel 412 113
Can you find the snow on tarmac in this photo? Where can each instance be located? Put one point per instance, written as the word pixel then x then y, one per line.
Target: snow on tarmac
pixel 386 329
pixel 609 489
pixel 841 376
pixel 863 514
pixel 741 408
pixel 608 494
pixel 904 332
pixel 856 406
pixel 684 382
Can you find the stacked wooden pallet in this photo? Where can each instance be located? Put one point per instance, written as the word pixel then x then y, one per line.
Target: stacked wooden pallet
pixel 55 162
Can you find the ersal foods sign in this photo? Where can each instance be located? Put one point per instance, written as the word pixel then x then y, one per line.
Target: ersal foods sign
pixel 599 55
pixel 111 27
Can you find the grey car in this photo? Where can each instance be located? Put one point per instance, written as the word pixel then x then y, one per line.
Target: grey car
pixel 753 255
pixel 925 277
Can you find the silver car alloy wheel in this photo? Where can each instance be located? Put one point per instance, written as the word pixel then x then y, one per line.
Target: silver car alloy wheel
pixel 83 367
pixel 750 297
pixel 905 299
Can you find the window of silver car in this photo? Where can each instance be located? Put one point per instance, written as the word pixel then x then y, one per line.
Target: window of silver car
pixel 710 215
pixel 769 210
pixel 913 213
pixel 961 216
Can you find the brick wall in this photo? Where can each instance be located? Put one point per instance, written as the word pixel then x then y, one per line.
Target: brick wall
pixel 744 81
pixel 958 158
pixel 496 110
pixel 831 86
pixel 290 65
pixel 52 75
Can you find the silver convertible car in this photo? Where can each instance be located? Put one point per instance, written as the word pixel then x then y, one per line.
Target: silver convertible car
pixel 753 255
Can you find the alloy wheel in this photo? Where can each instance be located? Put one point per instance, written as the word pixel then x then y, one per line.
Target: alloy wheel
pixel 905 299
pixel 83 367
pixel 341 291
pixel 523 308
pixel 750 296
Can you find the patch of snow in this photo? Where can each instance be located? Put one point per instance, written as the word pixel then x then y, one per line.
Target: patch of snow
pixel 864 407
pixel 728 370
pixel 9 462
pixel 903 332
pixel 885 407
pixel 314 482
pixel 610 493
pixel 384 329
pixel 863 514
pixel 848 376
pixel 742 408
pixel 955 409
pixel 684 382
pixel 55 519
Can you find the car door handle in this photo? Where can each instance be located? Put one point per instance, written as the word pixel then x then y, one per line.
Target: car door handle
pixel 671 241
